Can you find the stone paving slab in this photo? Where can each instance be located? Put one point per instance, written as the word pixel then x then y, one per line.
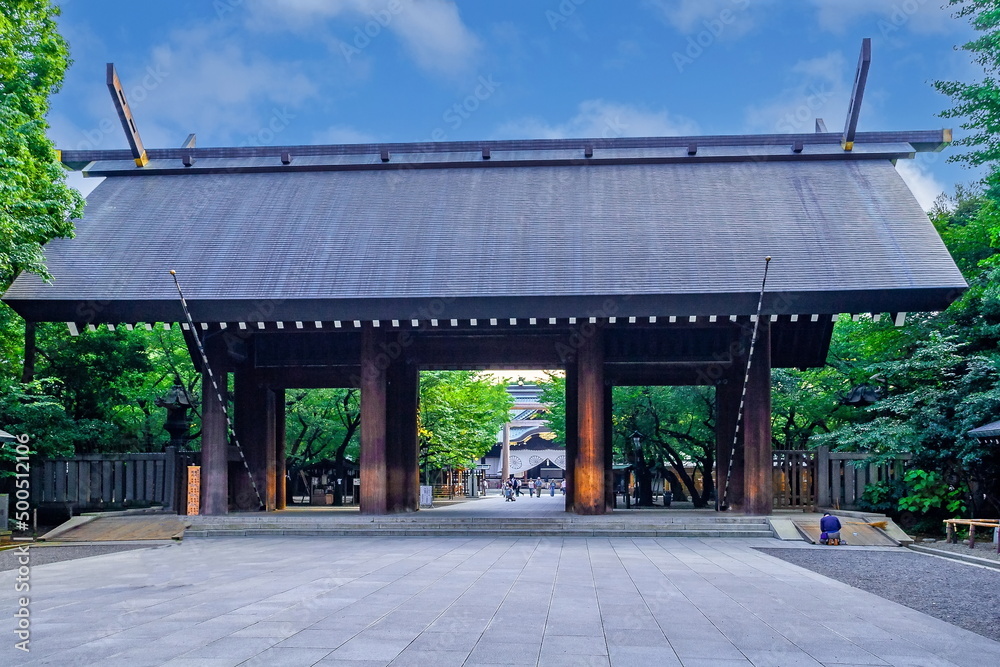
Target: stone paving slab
pixel 465 601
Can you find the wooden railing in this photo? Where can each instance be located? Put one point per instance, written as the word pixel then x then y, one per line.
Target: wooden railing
pixel 102 481
pixel 821 478
pixel 794 478
pixel 841 477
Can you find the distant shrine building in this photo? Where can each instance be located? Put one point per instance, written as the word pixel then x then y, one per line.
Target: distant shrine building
pixel 361 265
pixel 527 442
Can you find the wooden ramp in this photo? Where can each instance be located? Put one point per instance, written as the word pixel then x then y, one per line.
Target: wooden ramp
pixel 123 529
pixel 853 532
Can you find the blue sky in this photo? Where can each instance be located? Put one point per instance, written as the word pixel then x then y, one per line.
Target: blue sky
pixel 240 72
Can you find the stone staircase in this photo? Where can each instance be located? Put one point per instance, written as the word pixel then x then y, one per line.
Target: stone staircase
pixel 421 526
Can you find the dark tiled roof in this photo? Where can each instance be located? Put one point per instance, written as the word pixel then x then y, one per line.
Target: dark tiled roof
pixel 661 238
pixel 987 431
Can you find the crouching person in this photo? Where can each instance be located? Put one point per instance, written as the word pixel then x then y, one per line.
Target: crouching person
pixel 830 527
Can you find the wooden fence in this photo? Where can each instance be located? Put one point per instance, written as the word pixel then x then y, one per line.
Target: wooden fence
pixel 842 476
pixel 821 478
pixel 102 481
pixel 794 478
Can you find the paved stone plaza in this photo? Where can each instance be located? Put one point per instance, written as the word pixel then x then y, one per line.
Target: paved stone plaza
pixel 466 601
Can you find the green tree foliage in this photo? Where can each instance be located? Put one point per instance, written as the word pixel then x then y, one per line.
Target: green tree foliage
pixel 461 413
pixel 676 426
pixel 36 205
pixel 96 391
pixel 322 425
pixel 677 429
pixel 940 372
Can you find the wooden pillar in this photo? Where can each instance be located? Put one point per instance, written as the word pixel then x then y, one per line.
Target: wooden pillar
pixel 609 470
pixel 505 455
pixel 214 446
pixel 572 429
pixel 402 447
pixel 727 403
pixel 758 476
pixel 270 485
pixel 588 483
pixel 252 417
pixel 280 487
pixel 373 427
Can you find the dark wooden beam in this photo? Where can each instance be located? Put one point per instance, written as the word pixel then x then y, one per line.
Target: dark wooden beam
pixel 857 94
pixel 125 116
pixel 299 377
pixel 373 424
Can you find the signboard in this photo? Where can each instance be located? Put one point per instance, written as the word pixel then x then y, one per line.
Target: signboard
pixel 194 490
pixel 426 496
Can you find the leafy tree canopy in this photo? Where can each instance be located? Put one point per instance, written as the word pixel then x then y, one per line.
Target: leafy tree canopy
pixel 461 413
pixel 36 205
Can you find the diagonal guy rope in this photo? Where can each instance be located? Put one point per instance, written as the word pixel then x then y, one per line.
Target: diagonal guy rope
pixel 215 387
pixel 746 379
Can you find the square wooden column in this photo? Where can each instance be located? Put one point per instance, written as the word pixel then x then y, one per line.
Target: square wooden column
pixel 214 446
pixel 402 447
pixel 253 414
pixel 588 484
pixel 280 488
pixel 374 362
pixel 269 478
pixel 727 404
pixel 609 468
pixel 758 476
pixel 572 429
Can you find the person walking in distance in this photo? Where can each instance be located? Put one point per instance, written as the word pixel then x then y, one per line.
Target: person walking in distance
pixel 552 487
pixel 531 488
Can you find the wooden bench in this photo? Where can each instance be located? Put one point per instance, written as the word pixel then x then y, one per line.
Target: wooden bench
pixel 952 536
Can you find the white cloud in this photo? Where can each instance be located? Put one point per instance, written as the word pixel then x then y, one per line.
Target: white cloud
pixel 600 118
pixel 432 31
pixel 217 86
pixel 818 88
pixel 730 17
pixel 921 182
pixel 887 17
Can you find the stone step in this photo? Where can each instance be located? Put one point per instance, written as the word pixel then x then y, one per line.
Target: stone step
pixel 609 528
pixel 521 531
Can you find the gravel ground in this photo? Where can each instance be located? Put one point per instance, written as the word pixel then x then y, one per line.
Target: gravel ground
pixel 983 549
pixel 43 555
pixel 965 595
